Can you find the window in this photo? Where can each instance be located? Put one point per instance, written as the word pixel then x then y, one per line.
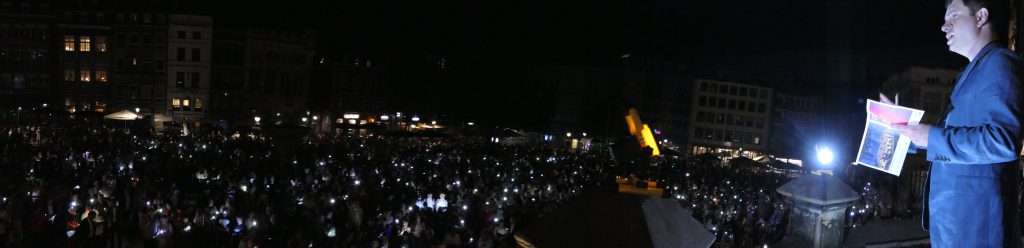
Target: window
pixel 195 54
pixel 714 87
pixel 743 105
pixel 703 86
pixel 763 93
pixel 175 104
pixel 147 18
pixel 181 34
pixel 196 35
pixel 698 132
pixel 69 75
pixel 101 76
pixel 184 104
pixel 135 61
pixel 180 80
pixel 700 116
pixel 194 79
pixel 732 104
pixel 181 54
pixel 743 91
pixel 84 43
pixel 133 39
pixel 69 43
pixel 732 90
pixel 101 44
pixel 721 102
pixel 760 107
pixel 703 101
pixel 85 76
pixel 198 105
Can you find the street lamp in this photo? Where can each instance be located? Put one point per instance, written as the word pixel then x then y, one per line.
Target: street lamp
pixel 825 155
pixel 257 119
pixel 568 134
pixel 137 109
pixel 304 119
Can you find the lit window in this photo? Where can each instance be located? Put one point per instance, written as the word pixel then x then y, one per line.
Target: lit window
pixel 184 102
pixel 101 76
pixel 199 105
pixel 101 44
pixel 84 44
pixel 86 76
pixel 69 43
pixel 135 61
pixel 175 104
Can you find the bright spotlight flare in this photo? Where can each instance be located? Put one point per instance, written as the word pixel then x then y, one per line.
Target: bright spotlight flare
pixel 825 155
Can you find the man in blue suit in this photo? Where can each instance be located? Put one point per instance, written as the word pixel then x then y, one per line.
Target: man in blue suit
pixel 975 147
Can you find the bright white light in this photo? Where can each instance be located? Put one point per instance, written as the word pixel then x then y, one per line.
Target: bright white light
pixel 385 117
pixel 433 122
pixel 471 123
pixel 257 119
pixel 825 155
pixel 568 134
pixel 416 118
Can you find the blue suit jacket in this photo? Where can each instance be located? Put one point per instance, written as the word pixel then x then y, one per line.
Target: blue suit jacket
pixel 975 173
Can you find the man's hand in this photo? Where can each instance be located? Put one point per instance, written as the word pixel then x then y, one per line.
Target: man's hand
pixel 918 134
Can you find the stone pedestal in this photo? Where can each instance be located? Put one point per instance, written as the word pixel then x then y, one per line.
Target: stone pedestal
pixel 819 208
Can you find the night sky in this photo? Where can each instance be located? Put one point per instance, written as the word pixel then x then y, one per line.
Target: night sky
pixel 491 45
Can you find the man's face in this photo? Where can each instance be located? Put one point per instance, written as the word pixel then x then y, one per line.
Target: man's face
pixel 961 28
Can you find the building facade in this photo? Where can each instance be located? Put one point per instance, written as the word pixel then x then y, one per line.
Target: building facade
pixel 26 71
pixel 189 47
pixel 346 86
pixel 730 116
pixel 261 72
pixel 794 119
pixel 84 32
pixel 139 50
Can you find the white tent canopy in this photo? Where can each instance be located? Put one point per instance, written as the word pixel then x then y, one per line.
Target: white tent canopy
pixel 122 115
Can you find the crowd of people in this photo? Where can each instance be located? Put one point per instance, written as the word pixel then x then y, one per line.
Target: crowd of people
pixel 98 186
pixel 81 186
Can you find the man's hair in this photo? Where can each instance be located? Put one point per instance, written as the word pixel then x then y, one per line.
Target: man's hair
pixel 998 15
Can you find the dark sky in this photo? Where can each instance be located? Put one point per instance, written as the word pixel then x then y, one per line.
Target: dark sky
pixel 769 36
pixel 493 43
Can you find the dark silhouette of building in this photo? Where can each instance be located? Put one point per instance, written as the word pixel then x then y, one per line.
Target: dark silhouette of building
pixel 261 72
pixel 27 77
